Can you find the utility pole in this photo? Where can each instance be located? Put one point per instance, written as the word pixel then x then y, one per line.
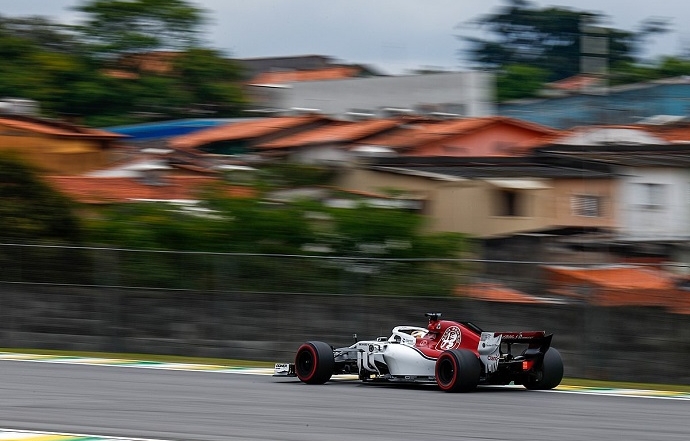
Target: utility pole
pixel 594 60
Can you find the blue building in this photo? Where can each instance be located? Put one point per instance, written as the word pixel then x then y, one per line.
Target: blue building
pixel 625 104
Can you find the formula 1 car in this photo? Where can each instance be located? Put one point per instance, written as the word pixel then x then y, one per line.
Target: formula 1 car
pixel 457 356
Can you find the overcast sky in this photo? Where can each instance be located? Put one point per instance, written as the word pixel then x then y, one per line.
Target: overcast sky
pixel 394 36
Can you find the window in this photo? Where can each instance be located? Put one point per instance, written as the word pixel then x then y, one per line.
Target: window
pixel 508 203
pixel 651 196
pixel 586 205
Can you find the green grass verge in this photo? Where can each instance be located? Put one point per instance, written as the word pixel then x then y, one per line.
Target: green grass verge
pixel 267 364
pixel 625 385
pixel 144 357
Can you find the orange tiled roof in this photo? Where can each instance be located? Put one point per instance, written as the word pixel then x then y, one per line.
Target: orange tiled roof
pixel 415 135
pixel 336 132
pixel 620 286
pixel 575 83
pixel 54 128
pixel 496 292
pixel 677 134
pixel 100 190
pixel 241 130
pixel 160 62
pixel 618 277
pixel 294 76
pixel 129 66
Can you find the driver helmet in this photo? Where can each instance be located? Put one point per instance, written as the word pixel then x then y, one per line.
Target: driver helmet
pixel 418 333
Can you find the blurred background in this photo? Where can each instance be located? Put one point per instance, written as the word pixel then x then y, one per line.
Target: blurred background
pixel 163 195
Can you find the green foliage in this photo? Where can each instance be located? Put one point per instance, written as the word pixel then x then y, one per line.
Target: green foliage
pixel 68 69
pixel 116 27
pixel 546 38
pixel 31 211
pixel 673 67
pixel 255 226
pixel 519 81
pixel 522 36
pixel 234 225
pixel 366 230
pixel 443 245
pixel 287 174
pixel 373 251
pixel 39 33
pixel 211 79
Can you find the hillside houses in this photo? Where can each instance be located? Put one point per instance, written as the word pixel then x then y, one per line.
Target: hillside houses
pixel 484 176
pixel 306 138
pixel 58 147
pixel 589 195
pixel 594 194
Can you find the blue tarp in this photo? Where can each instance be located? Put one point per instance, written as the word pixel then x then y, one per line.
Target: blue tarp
pixel 167 129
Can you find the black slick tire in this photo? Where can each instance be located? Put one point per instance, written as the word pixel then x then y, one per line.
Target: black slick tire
pixel 458 370
pixel 549 374
pixel 314 362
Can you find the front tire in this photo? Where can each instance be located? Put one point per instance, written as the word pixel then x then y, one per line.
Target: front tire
pixel 314 362
pixel 458 370
pixel 550 374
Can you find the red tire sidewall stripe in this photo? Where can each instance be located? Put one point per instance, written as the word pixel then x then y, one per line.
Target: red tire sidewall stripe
pixel 314 357
pixel 452 359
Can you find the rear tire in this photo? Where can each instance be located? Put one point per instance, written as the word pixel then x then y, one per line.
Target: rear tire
pixel 314 362
pixel 550 374
pixel 458 370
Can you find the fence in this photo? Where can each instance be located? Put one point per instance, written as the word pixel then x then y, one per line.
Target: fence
pixel 227 272
pixel 263 307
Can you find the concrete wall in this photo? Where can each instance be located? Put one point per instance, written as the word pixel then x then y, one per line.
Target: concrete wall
pixel 467 93
pixel 633 344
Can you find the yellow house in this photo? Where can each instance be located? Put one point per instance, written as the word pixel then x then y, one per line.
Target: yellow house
pixel 57 147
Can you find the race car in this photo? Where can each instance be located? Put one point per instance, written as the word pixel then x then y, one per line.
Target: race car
pixel 456 355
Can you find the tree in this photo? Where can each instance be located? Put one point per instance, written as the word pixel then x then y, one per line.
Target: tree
pixel 548 38
pixel 31 210
pixel 117 27
pixel 211 80
pixel 69 71
pixel 42 33
pixel 44 62
pixel 519 80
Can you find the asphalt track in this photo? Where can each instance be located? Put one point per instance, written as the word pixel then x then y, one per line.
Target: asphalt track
pixel 218 405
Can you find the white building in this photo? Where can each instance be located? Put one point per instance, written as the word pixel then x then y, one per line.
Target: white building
pixel 467 94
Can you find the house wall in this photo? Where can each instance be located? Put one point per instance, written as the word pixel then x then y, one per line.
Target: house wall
pixel 654 203
pixel 475 210
pixel 467 93
pixel 565 189
pixel 463 206
pixel 323 154
pixel 55 155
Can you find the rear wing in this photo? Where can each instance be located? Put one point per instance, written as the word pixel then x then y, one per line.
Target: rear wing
pixel 537 341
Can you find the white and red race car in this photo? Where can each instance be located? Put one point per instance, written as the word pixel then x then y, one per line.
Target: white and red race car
pixel 457 356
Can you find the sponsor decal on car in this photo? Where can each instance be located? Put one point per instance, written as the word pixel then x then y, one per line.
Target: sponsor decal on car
pixel 450 339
